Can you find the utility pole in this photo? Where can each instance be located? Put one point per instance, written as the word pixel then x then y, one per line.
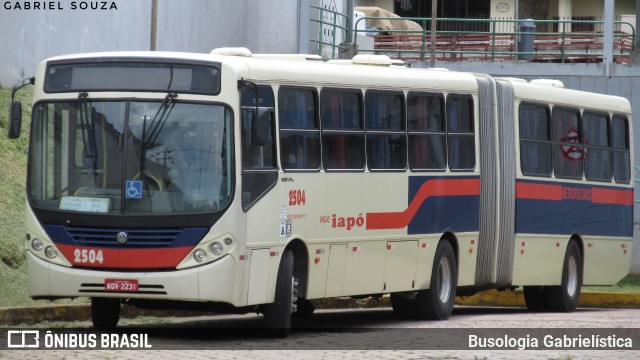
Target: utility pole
pixel 607 44
pixel 154 25
pixel 434 24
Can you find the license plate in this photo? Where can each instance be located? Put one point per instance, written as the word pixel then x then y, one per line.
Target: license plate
pixel 120 285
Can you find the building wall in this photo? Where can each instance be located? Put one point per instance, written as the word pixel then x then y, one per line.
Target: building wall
pixel 502 8
pixel 29 36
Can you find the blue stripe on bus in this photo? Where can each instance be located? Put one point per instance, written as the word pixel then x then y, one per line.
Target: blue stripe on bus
pixel 437 214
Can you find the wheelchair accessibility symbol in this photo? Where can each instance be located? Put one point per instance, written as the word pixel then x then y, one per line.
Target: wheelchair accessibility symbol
pixel 133 189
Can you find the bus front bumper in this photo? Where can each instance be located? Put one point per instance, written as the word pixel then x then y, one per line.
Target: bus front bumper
pixel 212 282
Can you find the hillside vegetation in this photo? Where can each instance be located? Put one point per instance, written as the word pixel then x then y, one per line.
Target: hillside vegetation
pixel 13 170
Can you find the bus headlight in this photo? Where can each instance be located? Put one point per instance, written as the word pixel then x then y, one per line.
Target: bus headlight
pixel 200 255
pixel 50 252
pixel 216 248
pixel 37 244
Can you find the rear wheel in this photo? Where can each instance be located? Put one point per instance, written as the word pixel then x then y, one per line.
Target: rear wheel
pixel 436 303
pixel 403 307
pixel 277 316
pixel 564 298
pixel 105 312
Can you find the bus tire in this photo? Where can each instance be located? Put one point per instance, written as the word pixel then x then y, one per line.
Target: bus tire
pixel 436 303
pixel 564 298
pixel 403 307
pixel 277 315
pixel 534 298
pixel 105 312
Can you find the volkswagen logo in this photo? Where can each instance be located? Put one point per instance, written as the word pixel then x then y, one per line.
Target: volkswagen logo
pixel 122 237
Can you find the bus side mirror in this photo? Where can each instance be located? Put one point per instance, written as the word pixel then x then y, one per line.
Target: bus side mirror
pixel 261 129
pixel 15 119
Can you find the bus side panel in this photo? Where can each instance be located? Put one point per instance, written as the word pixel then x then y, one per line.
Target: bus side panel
pixel 318 266
pixel 364 272
pixel 606 261
pixel 467 258
pixel 335 275
pixel 258 276
pixel 426 253
pixel 400 265
pixel 262 232
pixel 537 259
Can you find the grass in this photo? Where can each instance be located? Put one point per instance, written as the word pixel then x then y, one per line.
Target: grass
pixel 630 284
pixel 13 171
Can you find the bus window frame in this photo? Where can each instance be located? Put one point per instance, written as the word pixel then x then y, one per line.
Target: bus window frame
pixel 555 143
pixel 626 149
pixel 330 131
pixel 280 129
pixel 587 146
pixel 443 104
pixel 386 131
pixel 473 133
pixel 548 141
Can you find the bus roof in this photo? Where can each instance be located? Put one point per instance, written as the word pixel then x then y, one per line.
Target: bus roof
pixel 552 91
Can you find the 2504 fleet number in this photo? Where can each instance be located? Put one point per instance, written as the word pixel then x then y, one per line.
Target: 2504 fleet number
pixel 86 256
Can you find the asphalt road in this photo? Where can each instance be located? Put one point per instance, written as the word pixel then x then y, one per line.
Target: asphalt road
pixel 373 333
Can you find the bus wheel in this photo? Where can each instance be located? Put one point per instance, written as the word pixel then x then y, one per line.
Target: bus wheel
pixel 277 316
pixel 564 298
pixel 403 307
pixel 105 312
pixel 436 303
pixel 534 298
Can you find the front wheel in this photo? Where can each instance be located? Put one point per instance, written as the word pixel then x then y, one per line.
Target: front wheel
pixel 564 298
pixel 436 303
pixel 105 312
pixel 277 316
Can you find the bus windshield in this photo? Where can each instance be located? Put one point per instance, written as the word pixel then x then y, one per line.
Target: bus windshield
pixel 130 157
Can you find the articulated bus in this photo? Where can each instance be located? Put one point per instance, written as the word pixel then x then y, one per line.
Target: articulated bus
pixel 241 182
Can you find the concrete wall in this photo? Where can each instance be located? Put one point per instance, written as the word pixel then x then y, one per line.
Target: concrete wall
pixel 624 81
pixel 29 36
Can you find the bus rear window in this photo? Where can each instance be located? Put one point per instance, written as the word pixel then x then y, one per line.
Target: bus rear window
pixel 106 75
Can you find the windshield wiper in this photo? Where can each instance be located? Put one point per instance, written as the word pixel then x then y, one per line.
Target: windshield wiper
pixel 90 150
pixel 158 121
pixel 155 127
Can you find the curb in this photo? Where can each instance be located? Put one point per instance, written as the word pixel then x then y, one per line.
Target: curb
pixel 82 312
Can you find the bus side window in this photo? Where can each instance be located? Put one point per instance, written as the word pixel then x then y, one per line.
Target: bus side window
pixel 342 130
pixel 460 132
pixel 426 128
pixel 299 129
pixel 259 170
pixel 597 150
pixel 535 140
pixel 620 145
pixel 568 152
pixel 386 136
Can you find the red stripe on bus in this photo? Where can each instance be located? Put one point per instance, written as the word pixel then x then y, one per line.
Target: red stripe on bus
pixel 126 258
pixel 431 188
pixel 612 196
pixel 538 191
pixel 553 192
